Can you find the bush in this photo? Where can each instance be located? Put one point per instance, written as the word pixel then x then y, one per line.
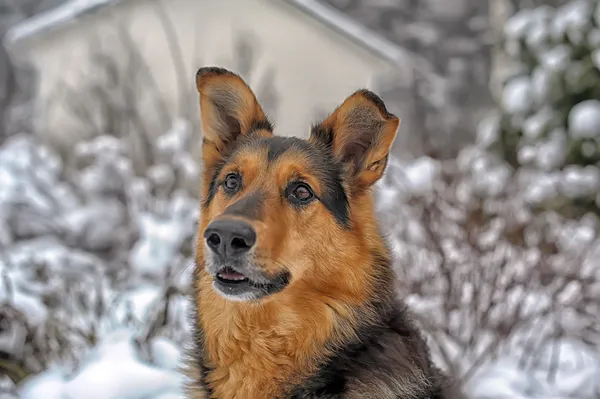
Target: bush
pixel 504 293
pixel 95 263
pixel 549 121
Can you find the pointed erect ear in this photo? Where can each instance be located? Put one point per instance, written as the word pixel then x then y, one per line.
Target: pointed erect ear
pixel 228 110
pixel 359 133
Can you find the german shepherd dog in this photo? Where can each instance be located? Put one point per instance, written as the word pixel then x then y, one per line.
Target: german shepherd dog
pixel 294 286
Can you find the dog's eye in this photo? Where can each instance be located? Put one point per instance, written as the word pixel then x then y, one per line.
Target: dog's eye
pixel 300 193
pixel 231 184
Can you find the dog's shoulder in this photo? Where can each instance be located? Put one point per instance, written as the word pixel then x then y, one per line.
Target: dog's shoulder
pixel 387 360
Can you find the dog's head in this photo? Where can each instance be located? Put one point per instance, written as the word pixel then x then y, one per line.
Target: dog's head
pixel 280 211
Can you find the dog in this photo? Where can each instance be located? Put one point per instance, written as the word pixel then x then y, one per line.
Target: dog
pixel 293 285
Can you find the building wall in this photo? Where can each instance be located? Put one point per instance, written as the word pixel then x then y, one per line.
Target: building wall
pixel 312 68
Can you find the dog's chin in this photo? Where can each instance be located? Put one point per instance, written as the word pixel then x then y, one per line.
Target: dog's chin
pixel 236 286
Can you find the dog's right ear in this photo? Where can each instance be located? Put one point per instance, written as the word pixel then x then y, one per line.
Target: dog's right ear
pixel 229 110
pixel 359 134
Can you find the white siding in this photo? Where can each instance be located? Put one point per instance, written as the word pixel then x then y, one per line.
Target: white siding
pixel 315 66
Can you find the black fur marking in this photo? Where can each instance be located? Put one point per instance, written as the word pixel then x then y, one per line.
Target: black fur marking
pixel 322 135
pixel 323 166
pixel 214 183
pixel 277 146
pixel 202 72
pixel 335 199
pixel 249 206
pixel 375 99
pixel 261 124
pixel 277 284
pixel 198 354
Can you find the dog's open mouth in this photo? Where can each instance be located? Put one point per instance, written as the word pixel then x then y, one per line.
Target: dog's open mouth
pixel 237 286
pixel 229 276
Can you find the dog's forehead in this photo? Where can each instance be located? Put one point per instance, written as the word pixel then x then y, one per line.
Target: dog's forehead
pixel 272 150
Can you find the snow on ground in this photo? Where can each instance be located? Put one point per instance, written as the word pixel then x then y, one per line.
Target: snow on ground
pixel 114 369
pixel 576 377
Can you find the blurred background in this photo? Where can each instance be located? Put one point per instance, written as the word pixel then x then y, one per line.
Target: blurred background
pixel 491 199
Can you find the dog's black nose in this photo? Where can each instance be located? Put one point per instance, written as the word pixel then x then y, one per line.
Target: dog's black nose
pixel 230 238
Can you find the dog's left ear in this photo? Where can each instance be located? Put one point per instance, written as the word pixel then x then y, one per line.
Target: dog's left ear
pixel 229 110
pixel 360 133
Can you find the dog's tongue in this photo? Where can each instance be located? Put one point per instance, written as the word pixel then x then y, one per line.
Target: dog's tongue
pixel 230 274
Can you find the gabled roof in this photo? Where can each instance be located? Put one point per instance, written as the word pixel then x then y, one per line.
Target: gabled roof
pixel 352 29
pixel 49 20
pixel 71 10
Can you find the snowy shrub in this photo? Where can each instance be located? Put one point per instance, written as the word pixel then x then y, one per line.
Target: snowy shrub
pixel 549 125
pixel 508 296
pixel 95 262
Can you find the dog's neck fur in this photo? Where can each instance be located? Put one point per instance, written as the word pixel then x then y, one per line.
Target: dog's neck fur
pixel 261 349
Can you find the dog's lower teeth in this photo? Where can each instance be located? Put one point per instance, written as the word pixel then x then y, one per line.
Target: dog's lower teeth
pixel 232 278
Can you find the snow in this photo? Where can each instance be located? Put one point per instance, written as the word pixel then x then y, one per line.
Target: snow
pixel 529 196
pixel 114 370
pixel 584 120
pixel 580 181
pixel 407 178
pixel 541 188
pixel 537 36
pixel 173 143
pixel 577 376
pixel 421 173
pixel 159 242
pixel 557 59
pixel 537 124
pixel 517 96
pixel 47 385
pixel 517 26
pixel 488 130
pixel 551 153
pixel 551 136
pixel 488 177
pixel 545 85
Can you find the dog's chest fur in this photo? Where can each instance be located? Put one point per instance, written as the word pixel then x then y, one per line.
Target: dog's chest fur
pixel 261 365
pixel 263 352
pixel 389 360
